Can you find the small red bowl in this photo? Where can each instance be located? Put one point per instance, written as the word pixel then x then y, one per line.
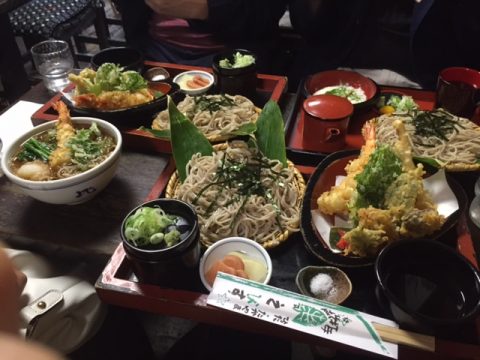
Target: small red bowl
pixel 320 80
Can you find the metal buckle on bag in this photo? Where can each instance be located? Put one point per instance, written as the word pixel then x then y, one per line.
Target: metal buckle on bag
pixel 33 311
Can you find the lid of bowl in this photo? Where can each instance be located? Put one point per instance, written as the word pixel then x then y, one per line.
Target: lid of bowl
pixel 328 107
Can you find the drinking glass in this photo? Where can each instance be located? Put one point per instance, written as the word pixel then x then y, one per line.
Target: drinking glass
pixel 53 60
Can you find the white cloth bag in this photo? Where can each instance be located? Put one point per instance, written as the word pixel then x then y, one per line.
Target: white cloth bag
pixel 62 312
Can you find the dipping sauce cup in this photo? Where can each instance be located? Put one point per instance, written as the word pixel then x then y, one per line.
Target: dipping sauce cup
pixel 458 91
pixel 325 125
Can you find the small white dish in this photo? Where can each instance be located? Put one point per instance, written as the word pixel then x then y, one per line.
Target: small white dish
pixel 190 82
pixel 221 248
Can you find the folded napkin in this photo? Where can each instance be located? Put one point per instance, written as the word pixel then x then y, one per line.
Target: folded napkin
pixel 16 120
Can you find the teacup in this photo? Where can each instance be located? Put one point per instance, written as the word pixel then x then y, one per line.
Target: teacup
pixel 458 91
pixel 325 125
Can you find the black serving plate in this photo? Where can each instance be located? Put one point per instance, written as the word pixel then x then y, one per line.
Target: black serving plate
pixel 140 115
pixel 323 178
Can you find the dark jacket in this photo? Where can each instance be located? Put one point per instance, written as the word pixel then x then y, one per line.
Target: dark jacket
pixel 442 33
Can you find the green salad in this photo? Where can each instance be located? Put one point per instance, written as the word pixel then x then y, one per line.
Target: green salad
pixel 398 104
pixel 239 60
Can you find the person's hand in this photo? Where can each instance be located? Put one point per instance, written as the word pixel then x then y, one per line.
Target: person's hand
pixel 15 348
pixel 12 347
pixel 183 9
pixel 12 283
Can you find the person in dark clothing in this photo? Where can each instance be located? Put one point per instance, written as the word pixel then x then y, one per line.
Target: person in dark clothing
pixel 193 31
pixel 413 38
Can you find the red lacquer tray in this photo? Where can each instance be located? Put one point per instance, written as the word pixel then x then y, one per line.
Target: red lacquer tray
pixel 269 87
pixel 118 286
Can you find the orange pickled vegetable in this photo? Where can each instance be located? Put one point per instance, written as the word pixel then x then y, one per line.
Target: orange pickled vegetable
pixel 219 265
pixel 230 264
pixel 234 261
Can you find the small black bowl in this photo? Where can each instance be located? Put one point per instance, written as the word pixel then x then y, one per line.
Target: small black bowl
pixel 427 286
pixel 235 81
pixel 127 57
pixel 175 266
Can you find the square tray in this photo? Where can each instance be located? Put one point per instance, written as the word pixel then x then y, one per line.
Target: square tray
pixel 117 285
pixel 269 87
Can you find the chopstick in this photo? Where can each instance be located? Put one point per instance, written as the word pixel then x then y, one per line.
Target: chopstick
pixel 403 337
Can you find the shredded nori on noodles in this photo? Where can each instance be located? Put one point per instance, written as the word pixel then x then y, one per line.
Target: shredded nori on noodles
pixel 245 177
pixel 438 123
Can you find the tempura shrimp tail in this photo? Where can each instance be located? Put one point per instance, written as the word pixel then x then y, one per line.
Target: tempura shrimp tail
pixel 65 131
pixel 336 200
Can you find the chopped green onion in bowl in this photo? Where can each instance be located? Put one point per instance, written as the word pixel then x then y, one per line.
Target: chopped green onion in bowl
pixel 152 226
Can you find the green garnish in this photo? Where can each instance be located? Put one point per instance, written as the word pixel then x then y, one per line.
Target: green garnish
pixel 150 226
pixel 87 145
pixel 346 92
pixel 33 150
pixel 382 169
pixel 239 60
pixel 437 123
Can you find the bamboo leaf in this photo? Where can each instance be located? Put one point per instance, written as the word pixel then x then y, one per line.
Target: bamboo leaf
pixel 270 133
pixel 162 134
pixel 245 129
pixel 186 139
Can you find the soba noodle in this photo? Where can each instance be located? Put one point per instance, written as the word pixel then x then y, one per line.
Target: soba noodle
pixel 226 115
pixel 224 206
pixel 458 150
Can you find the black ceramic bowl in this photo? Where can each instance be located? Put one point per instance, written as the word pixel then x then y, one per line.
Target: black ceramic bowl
pixel 235 81
pixel 128 58
pixel 428 286
pixel 175 266
pixel 139 115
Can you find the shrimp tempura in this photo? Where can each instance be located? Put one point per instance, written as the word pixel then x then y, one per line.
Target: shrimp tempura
pixel 336 200
pixel 65 130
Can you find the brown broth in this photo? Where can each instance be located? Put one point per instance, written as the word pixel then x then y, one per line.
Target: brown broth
pixel 49 138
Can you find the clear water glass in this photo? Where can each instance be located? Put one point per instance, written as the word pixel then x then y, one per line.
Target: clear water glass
pixel 53 60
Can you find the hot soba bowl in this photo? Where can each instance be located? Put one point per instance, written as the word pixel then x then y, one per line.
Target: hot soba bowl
pixel 75 189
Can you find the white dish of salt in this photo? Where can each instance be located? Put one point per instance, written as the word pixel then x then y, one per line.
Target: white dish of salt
pixel 327 283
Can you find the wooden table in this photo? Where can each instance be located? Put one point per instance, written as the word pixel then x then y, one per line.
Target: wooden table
pixel 90 229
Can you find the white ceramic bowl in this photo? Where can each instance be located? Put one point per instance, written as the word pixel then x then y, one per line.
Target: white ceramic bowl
pixel 183 77
pixel 75 189
pixel 221 248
